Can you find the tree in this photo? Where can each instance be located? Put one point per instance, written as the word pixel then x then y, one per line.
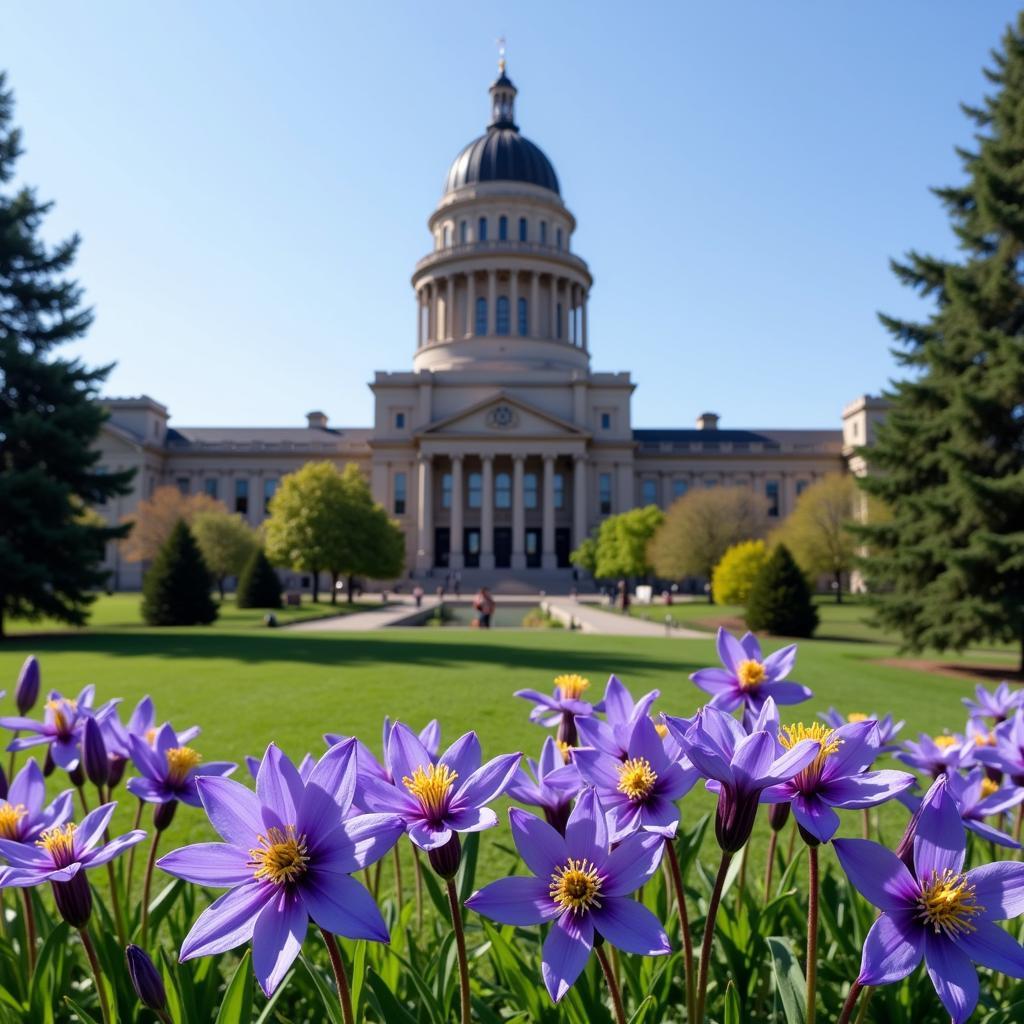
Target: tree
pixel 585 555
pixel 623 540
pixel 227 543
pixel 817 531
pixel 780 600
pixel 176 590
pixel 258 586
pixel 50 553
pixel 156 517
pixel 700 527
pixel 947 569
pixel 736 571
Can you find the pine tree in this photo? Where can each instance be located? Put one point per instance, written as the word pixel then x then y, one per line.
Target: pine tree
pixel 258 586
pixel 176 590
pixel 780 599
pixel 947 569
pixel 50 548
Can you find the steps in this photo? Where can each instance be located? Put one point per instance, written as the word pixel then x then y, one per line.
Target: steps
pixel 508 582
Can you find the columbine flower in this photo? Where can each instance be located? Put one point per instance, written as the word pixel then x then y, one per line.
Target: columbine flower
pixel 61 727
pixel 288 854
pixel 935 910
pixel 556 785
pixel 61 855
pixel 887 726
pixel 997 705
pixel 748 679
pixel 170 769
pixel 26 692
pixel 438 800
pixel 1007 753
pixel 743 765
pixel 621 712
pixel 837 777
pixel 935 755
pixel 23 817
pixel 580 887
pixel 562 708
pixel 640 792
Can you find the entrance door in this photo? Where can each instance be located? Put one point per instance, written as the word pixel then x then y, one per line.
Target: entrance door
pixel 442 546
pixel 532 548
pixel 563 545
pixel 471 546
pixel 502 547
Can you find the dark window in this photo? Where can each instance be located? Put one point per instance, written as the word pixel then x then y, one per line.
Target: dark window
pixel 801 486
pixel 530 490
pixel 399 494
pixel 524 320
pixel 559 489
pixel 502 491
pixel 242 496
pixel 211 486
pixel 604 484
pixel 678 488
pixel 399 421
pixel 559 333
pixel 447 235
pixel 523 229
pixel 606 421
pixel 481 229
pixel 475 490
pixel 771 490
pixel 649 492
pixel 558 238
pixel 543 232
pixel 481 316
pixel 183 484
pixel 446 490
pixel 501 326
pixel 503 228
pixel 269 489
pixel 463 232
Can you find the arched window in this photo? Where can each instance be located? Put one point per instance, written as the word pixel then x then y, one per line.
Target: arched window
pixel 523 318
pixel 558 238
pixel 447 235
pixel 481 229
pixel 463 232
pixel 530 490
pixel 502 490
pixel 543 232
pixel 481 315
pixel 501 318
pixel 559 322
pixel 523 230
pixel 503 228
pixel 475 490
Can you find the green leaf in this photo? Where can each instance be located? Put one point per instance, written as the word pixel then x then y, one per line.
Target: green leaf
pixel 732 1005
pixel 688 844
pixel 789 979
pixel 237 1005
pixel 467 870
pixel 84 1015
pixel 53 950
pixel 327 994
pixel 387 1006
pixel 642 1010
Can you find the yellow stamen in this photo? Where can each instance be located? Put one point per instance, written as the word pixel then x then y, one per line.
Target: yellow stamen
pixel 431 787
pixel 661 729
pixel 827 742
pixel 151 736
pixel 984 739
pixel 571 686
pixel 988 787
pixel 59 718
pixel 281 856
pixel 180 761
pixel 944 742
pixel 59 843
pixel 856 716
pixel 637 778
pixel 750 673
pixel 576 886
pixel 10 816
pixel 565 749
pixel 947 903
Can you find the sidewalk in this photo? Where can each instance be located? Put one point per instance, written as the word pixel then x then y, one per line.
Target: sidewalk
pixel 376 618
pixel 591 619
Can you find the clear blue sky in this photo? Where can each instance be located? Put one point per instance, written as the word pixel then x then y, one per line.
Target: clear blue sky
pixel 252 181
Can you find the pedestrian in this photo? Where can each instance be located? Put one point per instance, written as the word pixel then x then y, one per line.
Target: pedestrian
pixel 484 606
pixel 417 593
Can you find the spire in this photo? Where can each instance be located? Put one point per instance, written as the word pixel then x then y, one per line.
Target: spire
pixel 503 95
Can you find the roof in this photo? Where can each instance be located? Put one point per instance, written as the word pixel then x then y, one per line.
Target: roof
pixel 502 154
pixel 266 438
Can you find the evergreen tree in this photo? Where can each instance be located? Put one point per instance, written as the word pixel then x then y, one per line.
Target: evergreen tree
pixel 50 549
pixel 780 599
pixel 258 586
pixel 176 590
pixel 947 569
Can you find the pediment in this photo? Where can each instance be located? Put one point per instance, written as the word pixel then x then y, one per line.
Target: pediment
pixel 502 415
pixel 116 439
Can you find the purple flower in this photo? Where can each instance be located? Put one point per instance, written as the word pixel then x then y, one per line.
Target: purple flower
pixel 621 712
pixel 288 854
pixel 430 737
pixel 553 787
pixel 145 979
pixel 747 679
pixel 639 793
pixel 61 727
pixel 742 765
pixel 306 766
pixel 935 910
pixel 26 692
pixel 437 799
pixel 837 777
pixel 887 726
pixel 562 708
pixel 1007 753
pixel 23 816
pixel 935 755
pixel 580 888
pixel 997 705
pixel 170 769
pixel 141 723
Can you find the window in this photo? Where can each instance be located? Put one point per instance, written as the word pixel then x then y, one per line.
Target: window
pixel 475 491
pixel 606 421
pixel 649 492
pixel 481 229
pixel 502 491
pixel 558 238
pixel 481 316
pixel 446 490
pixel 559 332
pixel 543 232
pixel 269 489
pixel 463 232
pixel 523 317
pixel 604 487
pixel 399 421
pixel 447 235
pixel 211 487
pixel 523 230
pixel 771 490
pixel 559 491
pixel 711 481
pixel 501 318
pixel 183 484
pixel 530 490
pixel 399 505
pixel 679 488
pixel 503 228
pixel 242 496
pixel 801 486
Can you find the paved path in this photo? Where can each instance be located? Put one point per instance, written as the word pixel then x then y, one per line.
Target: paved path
pixel 591 619
pixel 358 622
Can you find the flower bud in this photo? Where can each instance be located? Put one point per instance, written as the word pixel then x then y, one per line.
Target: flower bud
pixel 163 815
pixel 145 978
pixel 567 733
pixel 48 764
pixel 26 693
pixel 445 859
pixel 734 818
pixel 115 770
pixel 76 775
pixel 778 815
pixel 558 817
pixel 94 753
pixel 74 900
pixel 3 784
pixel 810 840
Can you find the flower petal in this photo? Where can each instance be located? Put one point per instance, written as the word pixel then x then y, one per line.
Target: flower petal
pixel 991 946
pixel 28 787
pixel 586 833
pixel 779 664
pixel 730 650
pixel 999 888
pixel 632 863
pixel 90 829
pixel 342 906
pixel 279 788
pixel 866 789
pixel 405 752
pixel 233 810
pixel 630 926
pixel 715 681
pixel 517 901
pixel 277 936
pixel 542 848
pixel 214 864
pixel 953 975
pixel 428 836
pixel 463 756
pixel 892 949
pixel 815 816
pixel 384 797
pixel 940 843
pixel 753 758
pixel 228 921
pixel 356 842
pixel 114 848
pixel 472 819
pixel 877 873
pixel 486 783
pixel 328 792
pixel 566 951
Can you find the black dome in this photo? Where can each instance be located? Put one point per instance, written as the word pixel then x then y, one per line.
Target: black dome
pixel 502 154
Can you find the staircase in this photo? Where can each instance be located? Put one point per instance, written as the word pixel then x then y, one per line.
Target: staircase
pixel 508 582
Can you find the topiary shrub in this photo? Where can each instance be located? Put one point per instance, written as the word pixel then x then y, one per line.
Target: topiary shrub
pixel 734 575
pixel 780 599
pixel 258 586
pixel 176 590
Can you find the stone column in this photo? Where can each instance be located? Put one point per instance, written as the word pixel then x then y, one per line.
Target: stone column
pixel 518 514
pixel 570 310
pixel 553 315
pixel 470 304
pixel 456 559
pixel 487 513
pixel 419 318
pixel 424 511
pixel 492 301
pixel 586 341
pixel 513 303
pixel 534 311
pixel 548 560
pixel 580 512
pixel 449 308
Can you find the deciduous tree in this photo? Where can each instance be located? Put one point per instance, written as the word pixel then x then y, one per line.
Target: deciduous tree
pixel 734 575
pixel 227 543
pixel 156 517
pixel 623 541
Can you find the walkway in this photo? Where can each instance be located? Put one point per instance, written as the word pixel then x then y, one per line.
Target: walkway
pixel 592 619
pixel 375 618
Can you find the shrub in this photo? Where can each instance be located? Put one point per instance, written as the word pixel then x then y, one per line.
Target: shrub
pixel 780 599
pixel 258 586
pixel 176 591
pixel 735 573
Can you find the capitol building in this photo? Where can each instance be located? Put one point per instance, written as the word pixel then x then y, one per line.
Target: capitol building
pixel 501 448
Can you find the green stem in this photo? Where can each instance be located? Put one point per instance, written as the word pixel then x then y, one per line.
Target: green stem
pixel 398 877
pixel 419 886
pixel 684 923
pixel 131 851
pixel 851 1001
pixel 13 758
pixel 115 903
pixel 709 936
pixel 613 985
pixel 30 931
pixel 867 823
pixel 340 977
pixel 147 882
pixel 97 973
pixel 773 842
pixel 812 932
pixel 460 945
pixel 81 796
